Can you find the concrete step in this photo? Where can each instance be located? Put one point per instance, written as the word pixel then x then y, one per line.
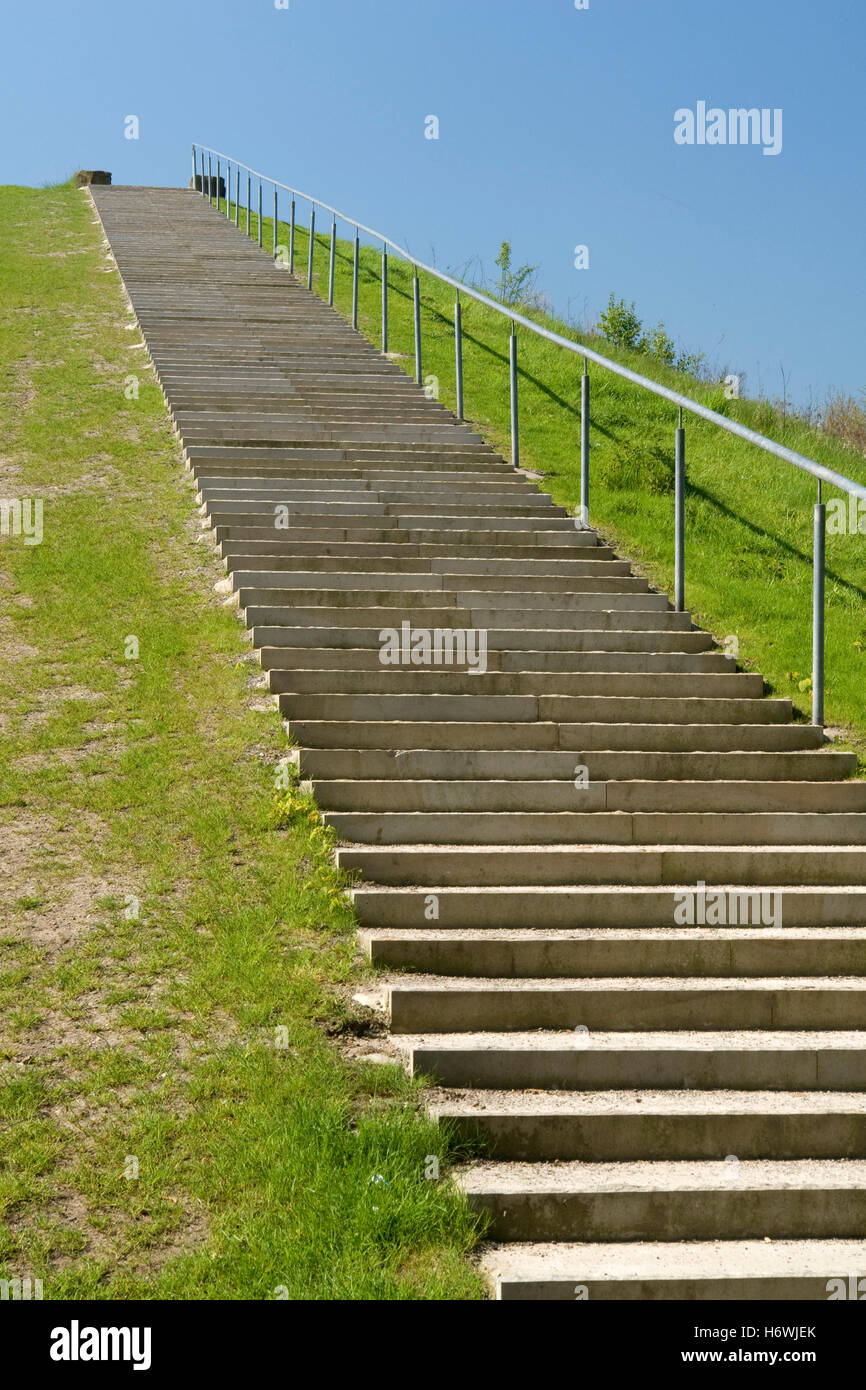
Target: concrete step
pixel 601 828
pixel 542 591
pixel 685 739
pixel 314 607
pixel 739 1060
pixel 299 540
pixel 392 561
pixel 752 1199
pixel 617 709
pixel 695 772
pixel 628 1004
pixel 650 864
pixel 368 659
pixel 476 796
pixel 446 680
pixel 425 591
pixel 698 1271
pixel 539 907
pixel 559 642
pixel 593 952
pixel 633 1126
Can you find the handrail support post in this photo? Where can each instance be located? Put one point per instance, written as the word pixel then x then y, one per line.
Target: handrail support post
pixel 680 518
pixel 584 446
pixel 818 588
pixel 332 262
pixel 515 416
pixel 458 354
pixel 312 247
pixel 416 304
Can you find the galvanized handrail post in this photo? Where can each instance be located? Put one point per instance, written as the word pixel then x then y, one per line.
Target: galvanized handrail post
pixel 228 191
pixel 356 275
pixel 249 204
pixel 584 445
pixel 416 304
pixel 194 169
pixel 209 179
pixel 332 262
pixel 260 214
pixel 312 246
pixel 384 298
pixel 818 585
pixel 238 196
pixel 458 354
pixel 680 517
pixel 276 223
pixel 515 418
pixel 292 239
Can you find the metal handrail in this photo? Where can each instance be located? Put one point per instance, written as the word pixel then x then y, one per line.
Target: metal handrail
pixel 818 471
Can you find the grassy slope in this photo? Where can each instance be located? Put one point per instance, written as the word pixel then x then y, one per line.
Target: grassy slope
pixel 259 1167
pixel 748 516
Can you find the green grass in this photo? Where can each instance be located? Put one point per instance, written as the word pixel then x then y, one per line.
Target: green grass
pixel 748 515
pixel 191 1037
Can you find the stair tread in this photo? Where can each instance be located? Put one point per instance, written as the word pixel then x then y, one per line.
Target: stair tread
pixel 452 1104
pixel 662 1175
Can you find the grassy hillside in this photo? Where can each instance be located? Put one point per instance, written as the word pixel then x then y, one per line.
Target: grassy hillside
pixel 175 945
pixel 748 516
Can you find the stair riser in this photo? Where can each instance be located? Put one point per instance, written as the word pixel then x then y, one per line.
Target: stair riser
pixel 549 867
pixel 589 644
pixel 469 828
pixel 367 659
pixel 491 1069
pixel 573 593
pixel 451 680
pixel 531 708
pixel 793 1289
pixel 624 1138
pixel 734 1215
pixel 570 959
pixel 678 799
pixel 351 734
pixel 611 771
pixel 564 908
pixel 630 1010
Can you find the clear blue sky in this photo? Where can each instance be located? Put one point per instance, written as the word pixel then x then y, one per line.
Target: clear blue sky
pixel 556 128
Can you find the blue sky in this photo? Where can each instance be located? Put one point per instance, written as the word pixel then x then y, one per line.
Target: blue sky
pixel 556 129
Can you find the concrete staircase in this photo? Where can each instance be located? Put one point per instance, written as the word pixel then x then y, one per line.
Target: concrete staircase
pixel 671 1108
